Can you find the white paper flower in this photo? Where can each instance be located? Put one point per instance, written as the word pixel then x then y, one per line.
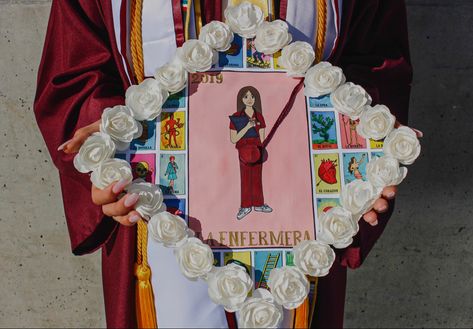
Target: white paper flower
pixel 289 286
pixel 359 196
pixel 172 76
pixel 150 202
pixel 260 311
pixel 403 145
pixel 97 148
pixel 322 79
pixel 313 257
pixel 118 122
pixel 244 19
pixel 195 258
pixel 168 229
pixel 337 227
pixel 109 171
pixel 196 56
pixel 146 99
pixel 217 35
pixel 297 58
pixel 229 286
pixel 272 36
pixel 350 99
pixel 385 171
pixel 376 122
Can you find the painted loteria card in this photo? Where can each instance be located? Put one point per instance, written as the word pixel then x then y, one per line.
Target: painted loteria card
pixel 354 166
pixel 143 166
pixel 349 136
pixel 327 173
pixel 323 130
pixel 173 131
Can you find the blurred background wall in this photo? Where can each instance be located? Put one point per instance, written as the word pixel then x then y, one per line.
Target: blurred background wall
pixel 418 275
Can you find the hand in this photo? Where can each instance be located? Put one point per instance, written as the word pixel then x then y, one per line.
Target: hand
pixel 121 209
pixel 381 205
pixel 73 145
pixel 250 124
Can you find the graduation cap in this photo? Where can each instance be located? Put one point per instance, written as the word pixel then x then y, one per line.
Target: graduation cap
pixel 240 122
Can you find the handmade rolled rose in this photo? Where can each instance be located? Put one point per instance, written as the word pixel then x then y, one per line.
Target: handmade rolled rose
pixel 322 79
pixel 260 311
pixel 168 229
pixel 146 99
pixel 118 122
pixel 150 200
pixel 359 196
pixel 385 171
pixel 297 58
pixel 337 227
pixel 403 145
pixel 229 286
pixel 217 35
pixel 196 56
pixel 376 122
pixel 272 36
pixel 350 99
pixel 244 19
pixel 195 258
pixel 289 286
pixel 109 171
pixel 313 257
pixel 97 148
pixel 172 76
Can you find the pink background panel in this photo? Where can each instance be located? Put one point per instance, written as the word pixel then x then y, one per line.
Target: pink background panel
pixel 214 173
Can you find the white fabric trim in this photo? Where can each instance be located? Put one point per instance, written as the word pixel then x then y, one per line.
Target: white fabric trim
pixel 116 6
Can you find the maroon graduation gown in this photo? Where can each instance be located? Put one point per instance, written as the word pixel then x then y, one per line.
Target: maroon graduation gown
pixel 81 73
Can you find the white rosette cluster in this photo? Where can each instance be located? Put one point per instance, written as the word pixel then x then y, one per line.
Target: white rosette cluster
pixel 244 19
pixel 260 311
pixel 146 99
pixel 196 56
pixel 359 196
pixel 272 36
pixel 217 35
pixel 289 286
pixel 338 226
pixel 313 257
pixel 385 171
pixel 350 99
pixel 229 286
pixel 402 144
pixel 172 76
pixel 150 200
pixel 297 58
pixel 97 148
pixel 322 79
pixel 168 229
pixel 376 122
pixel 119 124
pixel 109 171
pixel 195 259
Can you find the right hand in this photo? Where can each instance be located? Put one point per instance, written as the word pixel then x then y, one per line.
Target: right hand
pixel 121 209
pixel 250 124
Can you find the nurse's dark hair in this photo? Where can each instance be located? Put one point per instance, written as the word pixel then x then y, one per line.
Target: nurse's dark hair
pixel 256 106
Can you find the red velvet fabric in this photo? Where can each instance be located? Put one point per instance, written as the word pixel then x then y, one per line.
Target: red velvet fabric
pixel 81 73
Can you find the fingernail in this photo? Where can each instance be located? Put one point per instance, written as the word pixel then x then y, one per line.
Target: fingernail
pixel 131 199
pixel 418 132
pixel 390 195
pixel 119 186
pixel 374 223
pixel 61 147
pixel 134 218
pixel 382 209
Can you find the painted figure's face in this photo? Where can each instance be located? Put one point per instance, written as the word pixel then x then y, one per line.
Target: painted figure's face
pixel 249 99
pixel 141 169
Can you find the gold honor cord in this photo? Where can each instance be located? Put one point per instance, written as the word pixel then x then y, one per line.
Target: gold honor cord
pixel 145 309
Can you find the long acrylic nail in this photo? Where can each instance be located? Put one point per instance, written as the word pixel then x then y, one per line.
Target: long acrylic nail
pixel 119 186
pixel 390 195
pixel 374 223
pixel 131 199
pixel 134 218
pixel 61 147
pixel 418 132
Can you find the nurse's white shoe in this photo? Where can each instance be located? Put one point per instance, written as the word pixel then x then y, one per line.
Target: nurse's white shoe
pixel 243 212
pixel 264 208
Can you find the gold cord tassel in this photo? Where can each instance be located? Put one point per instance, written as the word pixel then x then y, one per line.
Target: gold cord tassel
pixel 301 318
pixel 321 29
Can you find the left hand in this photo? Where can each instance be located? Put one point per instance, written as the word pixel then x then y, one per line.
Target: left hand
pixel 381 205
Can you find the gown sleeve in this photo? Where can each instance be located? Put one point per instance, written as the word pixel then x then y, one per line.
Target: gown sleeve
pixel 77 79
pixel 376 56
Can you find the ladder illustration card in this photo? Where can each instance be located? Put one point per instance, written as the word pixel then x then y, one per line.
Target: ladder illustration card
pixel 265 261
